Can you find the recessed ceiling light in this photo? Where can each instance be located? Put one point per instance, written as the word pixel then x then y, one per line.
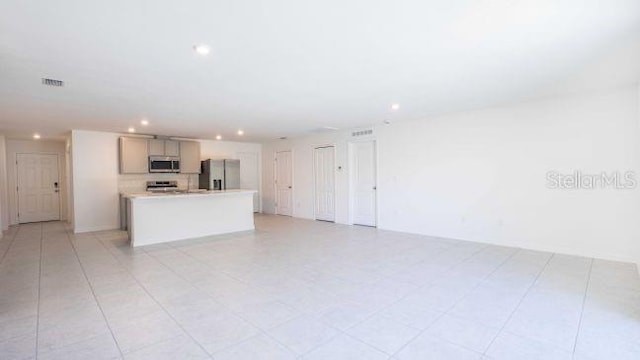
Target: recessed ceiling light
pixel 218 137
pixel 202 49
pixel 36 136
pixel 240 132
pixel 144 122
pixel 395 106
pixel 131 130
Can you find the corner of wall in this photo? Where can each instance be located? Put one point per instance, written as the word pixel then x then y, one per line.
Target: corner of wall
pixel 4 206
pixel 69 175
pixel 90 169
pixel 637 149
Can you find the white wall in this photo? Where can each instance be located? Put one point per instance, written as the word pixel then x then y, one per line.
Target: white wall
pixel 481 175
pixel 303 182
pixel 4 201
pixel 15 147
pixel 95 180
pixel 637 150
pixel 214 149
pixel 68 176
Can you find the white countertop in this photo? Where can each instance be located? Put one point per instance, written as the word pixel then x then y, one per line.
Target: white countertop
pixel 190 194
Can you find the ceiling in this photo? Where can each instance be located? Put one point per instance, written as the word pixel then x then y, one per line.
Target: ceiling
pixel 290 67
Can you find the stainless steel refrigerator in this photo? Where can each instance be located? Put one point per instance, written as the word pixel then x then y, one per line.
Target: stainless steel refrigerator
pixel 220 174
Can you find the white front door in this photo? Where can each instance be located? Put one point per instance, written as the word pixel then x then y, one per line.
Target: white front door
pixel 323 168
pixel 364 183
pixel 249 175
pixel 38 187
pixel 284 183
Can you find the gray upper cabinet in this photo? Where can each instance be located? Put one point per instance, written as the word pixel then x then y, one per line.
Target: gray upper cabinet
pixel 171 148
pixel 156 147
pixel 161 147
pixel 190 157
pixel 134 155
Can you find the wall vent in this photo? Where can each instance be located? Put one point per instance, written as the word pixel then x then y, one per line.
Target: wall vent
pixel 362 132
pixel 52 82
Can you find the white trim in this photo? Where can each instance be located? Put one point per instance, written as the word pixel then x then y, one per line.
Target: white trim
pixel 95 228
pixel 275 186
pixel 17 179
pixel 351 159
pixel 335 178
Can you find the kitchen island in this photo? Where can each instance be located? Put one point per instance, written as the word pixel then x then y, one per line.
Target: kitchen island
pixel 155 218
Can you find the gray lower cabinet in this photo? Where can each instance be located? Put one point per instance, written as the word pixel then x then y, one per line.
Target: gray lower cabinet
pixel 124 212
pixel 189 157
pixel 134 155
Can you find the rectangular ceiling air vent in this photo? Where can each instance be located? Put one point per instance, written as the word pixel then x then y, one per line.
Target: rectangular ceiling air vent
pixel 362 132
pixel 52 82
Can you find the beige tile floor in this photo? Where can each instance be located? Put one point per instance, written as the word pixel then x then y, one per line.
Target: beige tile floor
pixel 304 289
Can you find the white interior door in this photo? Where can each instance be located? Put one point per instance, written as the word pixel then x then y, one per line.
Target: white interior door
pixel 364 183
pixel 284 183
pixel 249 176
pixel 324 171
pixel 38 187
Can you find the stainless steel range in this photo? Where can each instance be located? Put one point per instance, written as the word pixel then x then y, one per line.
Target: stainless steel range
pixel 162 186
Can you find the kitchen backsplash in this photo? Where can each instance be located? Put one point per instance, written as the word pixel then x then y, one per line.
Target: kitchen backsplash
pixel 138 183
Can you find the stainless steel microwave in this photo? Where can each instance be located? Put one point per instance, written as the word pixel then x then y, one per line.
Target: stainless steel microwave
pixel 164 164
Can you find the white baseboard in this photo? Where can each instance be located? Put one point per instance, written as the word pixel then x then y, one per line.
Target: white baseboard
pixel 79 230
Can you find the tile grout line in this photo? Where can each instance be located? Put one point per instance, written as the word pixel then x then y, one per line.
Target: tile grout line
pixel 264 332
pixel 203 263
pixel 449 269
pixel 152 297
pixel 13 238
pixel 443 313
pixel 519 303
pixel 584 301
pixel 39 292
pixel 84 273
pixel 537 277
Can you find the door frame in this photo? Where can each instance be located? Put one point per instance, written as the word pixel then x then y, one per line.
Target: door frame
pixel 335 177
pixel 17 180
pixel 275 185
pixel 351 154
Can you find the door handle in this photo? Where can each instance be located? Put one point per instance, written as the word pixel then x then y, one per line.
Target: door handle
pixel 289 187
pixel 375 188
